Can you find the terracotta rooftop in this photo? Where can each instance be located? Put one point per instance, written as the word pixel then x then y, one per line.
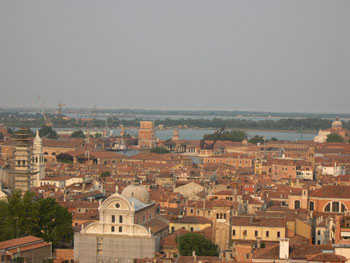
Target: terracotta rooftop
pixel 332 191
pixel 191 220
pixel 88 194
pixel 326 257
pixel 79 204
pixel 295 251
pixel 156 225
pixel 19 241
pixel 170 241
pixel 73 143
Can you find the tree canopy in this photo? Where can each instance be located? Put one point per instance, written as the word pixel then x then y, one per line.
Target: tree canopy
pixel 335 138
pixel 234 136
pixel 48 132
pixel 105 174
pixel 1 136
pixel 78 134
pixel 98 135
pixel 195 242
pixel 257 139
pixel 159 150
pixel 25 215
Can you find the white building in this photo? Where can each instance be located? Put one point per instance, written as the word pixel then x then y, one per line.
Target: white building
pixel 121 234
pixel 334 170
pixel 38 164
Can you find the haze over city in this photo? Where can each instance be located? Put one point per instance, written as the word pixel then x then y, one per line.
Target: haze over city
pixel 175 131
pixel 273 55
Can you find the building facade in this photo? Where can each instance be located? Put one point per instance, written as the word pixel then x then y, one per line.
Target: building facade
pixel 121 234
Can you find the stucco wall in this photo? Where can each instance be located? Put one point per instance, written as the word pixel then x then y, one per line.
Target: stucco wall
pixel 122 248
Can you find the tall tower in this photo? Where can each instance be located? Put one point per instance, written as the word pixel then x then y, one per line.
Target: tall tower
pixel 222 218
pixel 176 135
pixel 38 166
pixel 21 166
pixel 147 135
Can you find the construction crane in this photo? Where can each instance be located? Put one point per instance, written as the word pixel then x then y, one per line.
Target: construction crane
pixel 46 116
pixel 216 134
pixel 60 105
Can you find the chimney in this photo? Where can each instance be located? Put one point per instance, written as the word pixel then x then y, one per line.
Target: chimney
pixel 194 256
pixel 258 242
pixel 284 248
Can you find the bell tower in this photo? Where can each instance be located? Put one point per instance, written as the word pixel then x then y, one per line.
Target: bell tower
pixel 38 166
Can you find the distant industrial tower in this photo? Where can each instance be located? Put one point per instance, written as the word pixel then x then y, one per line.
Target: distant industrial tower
pixel 147 135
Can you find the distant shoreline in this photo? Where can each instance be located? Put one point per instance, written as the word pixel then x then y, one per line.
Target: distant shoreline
pixel 240 129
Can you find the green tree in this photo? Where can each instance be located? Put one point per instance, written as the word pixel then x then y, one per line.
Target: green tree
pixel 23 215
pixel 334 138
pixel 257 139
pixel 105 174
pixel 78 134
pixel 54 222
pixel 9 130
pixel 98 135
pixel 273 139
pixel 159 150
pixel 48 132
pixel 1 136
pixel 194 242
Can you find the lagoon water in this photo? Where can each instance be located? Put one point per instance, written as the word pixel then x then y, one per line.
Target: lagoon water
pixel 197 134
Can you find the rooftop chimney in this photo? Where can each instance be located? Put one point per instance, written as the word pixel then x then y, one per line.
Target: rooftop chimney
pixel 284 248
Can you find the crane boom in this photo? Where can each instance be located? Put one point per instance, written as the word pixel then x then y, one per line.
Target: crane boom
pixel 46 117
pixel 216 134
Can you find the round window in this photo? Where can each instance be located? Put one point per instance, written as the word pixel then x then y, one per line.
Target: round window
pixel 117 205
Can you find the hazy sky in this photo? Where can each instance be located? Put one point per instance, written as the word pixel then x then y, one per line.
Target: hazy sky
pixel 268 55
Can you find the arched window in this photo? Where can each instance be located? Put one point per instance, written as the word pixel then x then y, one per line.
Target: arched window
pixel 217 216
pixel 327 207
pixel 296 204
pixel 120 219
pixel 224 216
pixel 335 207
pixel 112 229
pixel 120 229
pixel 343 208
pixel 113 218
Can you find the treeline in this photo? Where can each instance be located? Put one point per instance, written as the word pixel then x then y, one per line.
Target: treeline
pixel 236 136
pixel 309 124
pixel 36 120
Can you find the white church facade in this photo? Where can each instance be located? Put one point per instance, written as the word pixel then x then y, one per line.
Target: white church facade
pixel 120 235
